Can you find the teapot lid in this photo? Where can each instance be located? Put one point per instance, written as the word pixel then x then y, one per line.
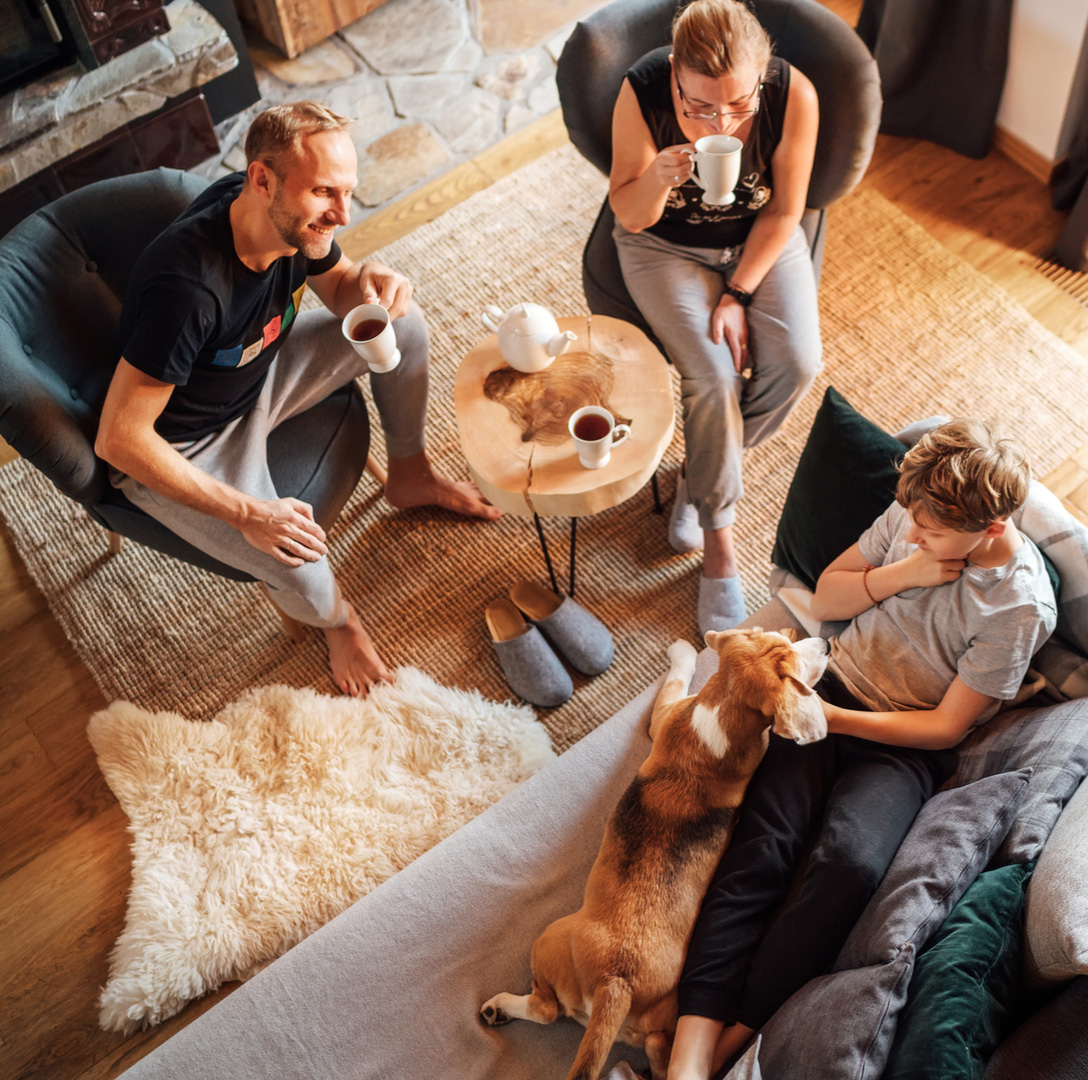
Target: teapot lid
pixel 527 318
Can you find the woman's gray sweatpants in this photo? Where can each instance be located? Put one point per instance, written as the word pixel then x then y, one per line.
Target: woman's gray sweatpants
pixel 314 361
pixel 676 289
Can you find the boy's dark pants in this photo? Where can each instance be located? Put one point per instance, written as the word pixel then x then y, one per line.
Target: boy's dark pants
pixel 853 801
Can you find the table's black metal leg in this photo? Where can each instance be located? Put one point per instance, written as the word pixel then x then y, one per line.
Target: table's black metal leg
pixel 547 556
pixel 658 508
pixel 573 540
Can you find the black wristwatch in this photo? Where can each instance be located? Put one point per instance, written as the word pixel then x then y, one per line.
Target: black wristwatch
pixel 742 296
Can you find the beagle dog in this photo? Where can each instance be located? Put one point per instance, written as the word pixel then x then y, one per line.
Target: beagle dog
pixel 615 964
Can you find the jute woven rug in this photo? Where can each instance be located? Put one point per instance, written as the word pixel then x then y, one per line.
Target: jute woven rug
pixel 908 328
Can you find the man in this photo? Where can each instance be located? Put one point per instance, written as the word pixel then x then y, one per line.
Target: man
pixel 214 354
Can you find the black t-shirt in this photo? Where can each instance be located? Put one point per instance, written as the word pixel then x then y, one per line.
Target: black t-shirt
pixel 686 219
pixel 196 316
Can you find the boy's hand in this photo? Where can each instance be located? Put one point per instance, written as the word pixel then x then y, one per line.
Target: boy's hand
pixel 924 570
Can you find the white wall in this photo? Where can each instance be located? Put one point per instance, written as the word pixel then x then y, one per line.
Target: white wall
pixel 1047 37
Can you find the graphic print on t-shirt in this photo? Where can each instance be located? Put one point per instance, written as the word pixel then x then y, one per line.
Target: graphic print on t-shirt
pixel 239 356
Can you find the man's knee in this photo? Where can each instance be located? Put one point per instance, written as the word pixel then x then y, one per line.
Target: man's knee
pixel 413 338
pixel 308 593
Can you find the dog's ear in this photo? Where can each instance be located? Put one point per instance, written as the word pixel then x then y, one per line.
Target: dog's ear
pixel 798 713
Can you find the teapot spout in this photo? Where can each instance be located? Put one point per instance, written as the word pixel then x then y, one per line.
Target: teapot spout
pixel 561 342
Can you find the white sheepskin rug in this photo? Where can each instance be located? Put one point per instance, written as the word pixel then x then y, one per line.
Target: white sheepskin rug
pixel 253 830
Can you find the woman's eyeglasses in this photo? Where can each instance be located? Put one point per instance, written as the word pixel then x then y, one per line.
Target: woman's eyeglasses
pixel 740 114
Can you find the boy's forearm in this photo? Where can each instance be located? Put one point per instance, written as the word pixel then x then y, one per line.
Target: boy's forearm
pixel 844 594
pixel 922 729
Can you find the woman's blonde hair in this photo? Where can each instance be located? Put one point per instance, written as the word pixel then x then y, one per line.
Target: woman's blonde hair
pixel 274 135
pixel 717 37
pixel 964 475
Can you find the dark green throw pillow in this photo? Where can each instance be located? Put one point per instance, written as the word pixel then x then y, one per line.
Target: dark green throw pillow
pixel 844 481
pixel 964 987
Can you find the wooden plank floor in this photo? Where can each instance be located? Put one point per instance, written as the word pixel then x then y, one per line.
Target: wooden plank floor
pixel 64 861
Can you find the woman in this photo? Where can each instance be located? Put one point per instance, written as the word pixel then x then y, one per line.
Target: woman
pixel 725 289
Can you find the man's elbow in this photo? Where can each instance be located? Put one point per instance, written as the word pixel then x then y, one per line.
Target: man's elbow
pixel 107 446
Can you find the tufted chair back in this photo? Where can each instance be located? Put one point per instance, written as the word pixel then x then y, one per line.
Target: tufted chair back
pixel 63 274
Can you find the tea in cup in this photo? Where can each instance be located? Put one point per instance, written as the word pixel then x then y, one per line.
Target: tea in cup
pixel 595 432
pixel 370 331
pixel 717 167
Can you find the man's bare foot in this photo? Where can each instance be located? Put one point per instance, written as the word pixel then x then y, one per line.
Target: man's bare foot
pixel 355 663
pixel 413 482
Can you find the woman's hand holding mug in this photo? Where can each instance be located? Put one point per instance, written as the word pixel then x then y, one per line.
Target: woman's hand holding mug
pixel 673 165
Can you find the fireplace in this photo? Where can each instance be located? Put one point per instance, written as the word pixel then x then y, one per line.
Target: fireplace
pixel 33 42
pixel 39 36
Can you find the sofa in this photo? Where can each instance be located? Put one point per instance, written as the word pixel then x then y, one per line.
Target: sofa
pixel 944 975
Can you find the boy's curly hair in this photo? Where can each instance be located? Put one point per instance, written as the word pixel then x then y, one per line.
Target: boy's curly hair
pixel 964 475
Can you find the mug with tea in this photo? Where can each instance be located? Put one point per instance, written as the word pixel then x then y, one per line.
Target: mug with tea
pixel 595 432
pixel 370 331
pixel 717 167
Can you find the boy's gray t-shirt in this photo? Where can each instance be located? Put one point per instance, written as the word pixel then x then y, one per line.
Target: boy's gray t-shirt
pixel 985 626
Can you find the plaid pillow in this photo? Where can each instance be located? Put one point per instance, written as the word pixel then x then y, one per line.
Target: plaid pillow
pixel 1053 741
pixel 1064 540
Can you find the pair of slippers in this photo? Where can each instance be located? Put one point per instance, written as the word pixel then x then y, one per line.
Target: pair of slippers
pixel 531 627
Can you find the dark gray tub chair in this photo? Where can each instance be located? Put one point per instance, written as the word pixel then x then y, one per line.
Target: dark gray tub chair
pixel 808 35
pixel 63 273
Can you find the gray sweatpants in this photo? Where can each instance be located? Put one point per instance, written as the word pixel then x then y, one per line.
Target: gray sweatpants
pixel 313 362
pixel 676 289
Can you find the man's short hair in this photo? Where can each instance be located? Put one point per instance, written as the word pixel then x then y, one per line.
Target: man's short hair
pixel 964 475
pixel 717 37
pixel 275 134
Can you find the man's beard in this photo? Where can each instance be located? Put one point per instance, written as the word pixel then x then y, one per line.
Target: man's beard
pixel 295 231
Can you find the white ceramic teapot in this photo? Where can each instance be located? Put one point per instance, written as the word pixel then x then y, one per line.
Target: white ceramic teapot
pixel 529 336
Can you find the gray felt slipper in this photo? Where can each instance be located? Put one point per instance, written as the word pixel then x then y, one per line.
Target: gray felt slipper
pixel 532 670
pixel 721 603
pixel 578 636
pixel 684 532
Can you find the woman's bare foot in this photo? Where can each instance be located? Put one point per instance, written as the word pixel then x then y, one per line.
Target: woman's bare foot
pixel 355 663
pixel 413 482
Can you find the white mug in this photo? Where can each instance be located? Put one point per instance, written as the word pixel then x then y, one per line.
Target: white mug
pixel 371 334
pixel 717 161
pixel 595 432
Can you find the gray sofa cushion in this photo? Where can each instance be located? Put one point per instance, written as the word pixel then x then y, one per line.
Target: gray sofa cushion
pixel 1056 924
pixel 803 1040
pixel 950 842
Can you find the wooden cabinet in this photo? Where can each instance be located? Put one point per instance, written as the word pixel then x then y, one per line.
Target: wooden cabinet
pixel 295 25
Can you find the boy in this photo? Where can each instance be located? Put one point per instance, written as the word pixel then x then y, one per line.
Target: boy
pixel 948 602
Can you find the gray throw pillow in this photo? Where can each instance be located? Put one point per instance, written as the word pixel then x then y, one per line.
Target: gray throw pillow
pixel 747 1066
pixel 1053 741
pixel 952 839
pixel 839 1026
pixel 1056 922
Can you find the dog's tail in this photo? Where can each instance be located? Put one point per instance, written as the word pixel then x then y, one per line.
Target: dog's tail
pixel 611 1004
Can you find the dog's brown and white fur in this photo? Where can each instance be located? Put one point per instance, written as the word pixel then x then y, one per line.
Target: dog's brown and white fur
pixel 614 965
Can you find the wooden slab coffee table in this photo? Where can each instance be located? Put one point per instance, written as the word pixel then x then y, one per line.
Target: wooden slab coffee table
pixel 513 426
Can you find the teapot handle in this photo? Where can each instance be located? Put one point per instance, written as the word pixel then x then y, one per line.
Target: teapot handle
pixel 488 321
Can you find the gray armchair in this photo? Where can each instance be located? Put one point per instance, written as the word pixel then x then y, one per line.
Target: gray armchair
pixel 808 35
pixel 63 273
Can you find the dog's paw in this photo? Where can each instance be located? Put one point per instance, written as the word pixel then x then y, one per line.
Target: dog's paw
pixel 491 1014
pixel 681 653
